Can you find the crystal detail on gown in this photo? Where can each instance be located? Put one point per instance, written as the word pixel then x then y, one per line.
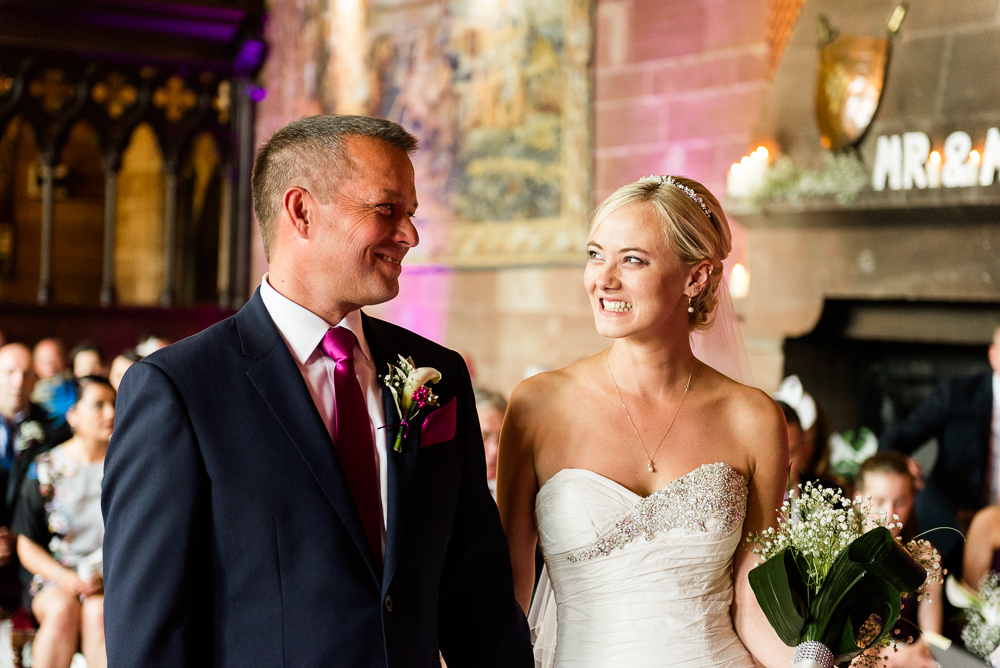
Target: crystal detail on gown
pixel 713 491
pixel 661 602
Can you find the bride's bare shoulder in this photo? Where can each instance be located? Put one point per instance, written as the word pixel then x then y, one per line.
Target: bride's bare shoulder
pixel 750 416
pixel 542 391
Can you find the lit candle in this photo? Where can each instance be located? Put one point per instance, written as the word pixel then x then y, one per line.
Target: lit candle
pixel 934 170
pixel 739 282
pixel 972 175
pixel 735 181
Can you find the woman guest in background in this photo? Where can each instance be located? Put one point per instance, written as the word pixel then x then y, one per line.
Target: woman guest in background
pixel 887 479
pixel 58 519
pixel 88 359
pixel 640 470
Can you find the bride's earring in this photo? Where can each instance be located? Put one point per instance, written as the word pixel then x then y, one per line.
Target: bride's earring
pixel 690 307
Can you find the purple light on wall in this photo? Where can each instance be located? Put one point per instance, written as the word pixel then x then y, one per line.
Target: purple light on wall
pixel 258 94
pixel 423 302
pixel 249 57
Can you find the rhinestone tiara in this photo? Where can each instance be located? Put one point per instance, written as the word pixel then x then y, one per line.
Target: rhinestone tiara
pixel 685 189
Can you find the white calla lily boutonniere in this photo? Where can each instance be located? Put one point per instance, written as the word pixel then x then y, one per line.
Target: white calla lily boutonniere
pixel 408 384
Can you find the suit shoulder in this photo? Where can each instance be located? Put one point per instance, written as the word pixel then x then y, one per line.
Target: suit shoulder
pixel 409 343
pixel 206 344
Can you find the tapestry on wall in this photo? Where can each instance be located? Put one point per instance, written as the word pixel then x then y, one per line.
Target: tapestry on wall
pixel 499 94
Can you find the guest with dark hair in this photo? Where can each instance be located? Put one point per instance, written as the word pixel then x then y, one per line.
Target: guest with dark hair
pixel 121 364
pixel 806 456
pixel 88 359
pixel 491 407
pixel 58 519
pixel 888 483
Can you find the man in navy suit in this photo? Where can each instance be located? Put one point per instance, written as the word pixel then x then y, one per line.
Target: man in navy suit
pixel 256 511
pixel 963 414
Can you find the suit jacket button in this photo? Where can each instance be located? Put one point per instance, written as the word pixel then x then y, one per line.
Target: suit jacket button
pixel 388 603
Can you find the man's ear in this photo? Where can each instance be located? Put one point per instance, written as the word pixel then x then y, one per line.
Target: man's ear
pixel 298 206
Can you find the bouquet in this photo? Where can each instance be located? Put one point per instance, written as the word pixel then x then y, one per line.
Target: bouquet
pixel 831 587
pixel 981 634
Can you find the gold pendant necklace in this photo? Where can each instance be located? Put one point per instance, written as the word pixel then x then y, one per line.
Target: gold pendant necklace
pixel 687 386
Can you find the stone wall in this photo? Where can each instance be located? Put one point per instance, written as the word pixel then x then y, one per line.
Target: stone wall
pixel 917 245
pixel 677 89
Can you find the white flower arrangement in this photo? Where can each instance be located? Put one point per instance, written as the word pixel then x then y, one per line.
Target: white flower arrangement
pixel 31 432
pixel 981 634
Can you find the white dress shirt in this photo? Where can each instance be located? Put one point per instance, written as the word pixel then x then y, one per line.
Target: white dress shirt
pixel 303 332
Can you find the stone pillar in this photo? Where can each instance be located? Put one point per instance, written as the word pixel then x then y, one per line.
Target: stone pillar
pixel 48 220
pixel 110 223
pixel 169 240
pixel 243 220
pixel 224 275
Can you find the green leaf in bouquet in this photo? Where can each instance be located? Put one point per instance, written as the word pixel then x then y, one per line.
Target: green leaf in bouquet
pixel 884 556
pixel 780 587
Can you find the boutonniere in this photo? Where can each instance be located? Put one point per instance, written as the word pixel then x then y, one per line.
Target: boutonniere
pixel 408 385
pixel 30 433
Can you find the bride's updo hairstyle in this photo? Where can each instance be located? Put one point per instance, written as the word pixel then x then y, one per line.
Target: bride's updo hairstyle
pixel 696 236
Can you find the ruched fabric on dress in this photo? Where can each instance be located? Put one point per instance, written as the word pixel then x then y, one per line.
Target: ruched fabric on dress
pixel 658 603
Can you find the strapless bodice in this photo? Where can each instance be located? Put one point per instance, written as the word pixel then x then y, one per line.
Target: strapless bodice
pixel 643 582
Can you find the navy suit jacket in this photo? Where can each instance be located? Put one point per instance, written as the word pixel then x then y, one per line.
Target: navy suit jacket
pixel 958 413
pixel 232 538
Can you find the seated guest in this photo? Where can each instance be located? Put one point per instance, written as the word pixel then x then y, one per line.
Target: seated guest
pixel 54 390
pixel 58 519
pixel 491 407
pixel 807 460
pixel 26 430
pixel 887 479
pixel 120 365
pixel 88 359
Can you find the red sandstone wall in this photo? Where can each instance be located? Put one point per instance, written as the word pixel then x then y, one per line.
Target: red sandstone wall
pixel 678 87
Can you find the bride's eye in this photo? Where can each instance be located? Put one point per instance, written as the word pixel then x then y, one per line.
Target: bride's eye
pixel 593 255
pixel 634 261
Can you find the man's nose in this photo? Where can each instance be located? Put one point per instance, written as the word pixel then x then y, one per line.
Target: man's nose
pixel 406 232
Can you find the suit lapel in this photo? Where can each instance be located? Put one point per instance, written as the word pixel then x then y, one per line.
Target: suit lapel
pixel 401 466
pixel 278 380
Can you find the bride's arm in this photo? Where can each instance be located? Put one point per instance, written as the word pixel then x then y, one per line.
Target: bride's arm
pixel 517 485
pixel 762 430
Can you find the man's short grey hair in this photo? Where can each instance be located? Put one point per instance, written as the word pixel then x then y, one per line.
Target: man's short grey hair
pixel 308 148
pixel 486 397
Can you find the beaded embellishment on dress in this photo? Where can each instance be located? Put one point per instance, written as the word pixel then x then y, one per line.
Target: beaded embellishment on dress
pixel 712 491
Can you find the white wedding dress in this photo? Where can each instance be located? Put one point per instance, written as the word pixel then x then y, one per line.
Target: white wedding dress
pixel 639 582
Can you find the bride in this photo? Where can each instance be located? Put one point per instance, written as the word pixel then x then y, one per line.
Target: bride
pixel 640 471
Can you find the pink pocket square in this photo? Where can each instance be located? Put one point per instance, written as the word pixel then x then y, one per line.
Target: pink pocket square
pixel 439 426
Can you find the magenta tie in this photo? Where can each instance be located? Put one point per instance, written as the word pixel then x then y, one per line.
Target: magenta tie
pixel 353 435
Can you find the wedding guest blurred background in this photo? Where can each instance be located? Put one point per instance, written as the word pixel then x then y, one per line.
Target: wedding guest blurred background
pixel 854 145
